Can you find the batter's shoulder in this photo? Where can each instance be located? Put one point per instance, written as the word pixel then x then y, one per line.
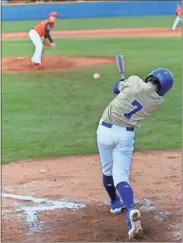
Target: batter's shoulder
pixel 135 78
pixel 135 83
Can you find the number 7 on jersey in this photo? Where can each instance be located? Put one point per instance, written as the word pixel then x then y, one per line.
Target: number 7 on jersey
pixel 137 107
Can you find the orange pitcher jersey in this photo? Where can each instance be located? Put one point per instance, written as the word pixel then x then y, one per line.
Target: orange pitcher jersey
pixel 41 27
pixel 179 12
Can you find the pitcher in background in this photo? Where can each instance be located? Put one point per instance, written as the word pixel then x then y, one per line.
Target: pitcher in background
pixel 40 36
pixel 178 17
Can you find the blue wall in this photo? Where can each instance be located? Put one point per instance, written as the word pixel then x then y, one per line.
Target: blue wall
pixel 89 9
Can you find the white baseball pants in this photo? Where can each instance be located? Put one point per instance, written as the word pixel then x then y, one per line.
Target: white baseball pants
pixel 176 22
pixel 115 147
pixel 36 40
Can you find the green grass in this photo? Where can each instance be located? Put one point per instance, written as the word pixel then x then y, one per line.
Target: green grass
pixel 102 47
pixel 54 114
pixel 94 23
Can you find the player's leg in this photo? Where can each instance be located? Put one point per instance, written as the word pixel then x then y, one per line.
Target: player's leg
pixel 105 148
pixel 177 19
pixel 36 40
pixel 122 156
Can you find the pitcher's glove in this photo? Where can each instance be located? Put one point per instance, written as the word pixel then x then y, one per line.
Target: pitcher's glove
pixel 47 43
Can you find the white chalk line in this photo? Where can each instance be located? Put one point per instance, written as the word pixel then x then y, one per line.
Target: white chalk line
pixel 46 204
pixel 31 213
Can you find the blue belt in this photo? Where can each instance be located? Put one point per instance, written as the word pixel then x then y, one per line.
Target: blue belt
pixel 106 124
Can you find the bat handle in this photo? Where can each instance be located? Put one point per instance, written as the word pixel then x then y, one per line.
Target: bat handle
pixel 122 76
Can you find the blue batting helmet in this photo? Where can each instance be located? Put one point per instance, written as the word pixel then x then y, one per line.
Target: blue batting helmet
pixel 165 79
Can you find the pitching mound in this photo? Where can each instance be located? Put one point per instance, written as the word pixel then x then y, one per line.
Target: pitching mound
pixel 53 63
pixel 63 200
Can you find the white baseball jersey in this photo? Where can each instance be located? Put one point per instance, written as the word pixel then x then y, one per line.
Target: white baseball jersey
pixel 134 103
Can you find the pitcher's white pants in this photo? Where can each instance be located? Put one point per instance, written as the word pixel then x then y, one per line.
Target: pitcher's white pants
pixel 36 40
pixel 177 20
pixel 115 147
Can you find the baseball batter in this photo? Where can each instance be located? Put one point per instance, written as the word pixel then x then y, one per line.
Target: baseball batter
pixel 178 17
pixel 42 30
pixel 136 99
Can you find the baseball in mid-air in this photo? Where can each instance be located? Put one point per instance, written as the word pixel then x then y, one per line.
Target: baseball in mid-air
pixel 96 76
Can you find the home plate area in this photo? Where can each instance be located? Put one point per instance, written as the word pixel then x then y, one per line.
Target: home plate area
pixel 54 200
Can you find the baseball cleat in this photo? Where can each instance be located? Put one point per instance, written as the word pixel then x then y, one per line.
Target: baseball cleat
pixel 134 224
pixel 117 206
pixel 37 65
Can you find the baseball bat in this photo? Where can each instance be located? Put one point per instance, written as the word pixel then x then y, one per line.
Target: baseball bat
pixel 120 65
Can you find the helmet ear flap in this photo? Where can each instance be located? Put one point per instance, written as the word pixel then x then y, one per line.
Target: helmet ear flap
pixel 164 80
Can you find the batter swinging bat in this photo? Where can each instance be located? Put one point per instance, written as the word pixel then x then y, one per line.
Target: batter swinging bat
pixel 120 65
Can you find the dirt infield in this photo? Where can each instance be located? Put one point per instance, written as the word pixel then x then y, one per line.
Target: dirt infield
pixel 62 199
pixel 51 62
pixel 132 32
